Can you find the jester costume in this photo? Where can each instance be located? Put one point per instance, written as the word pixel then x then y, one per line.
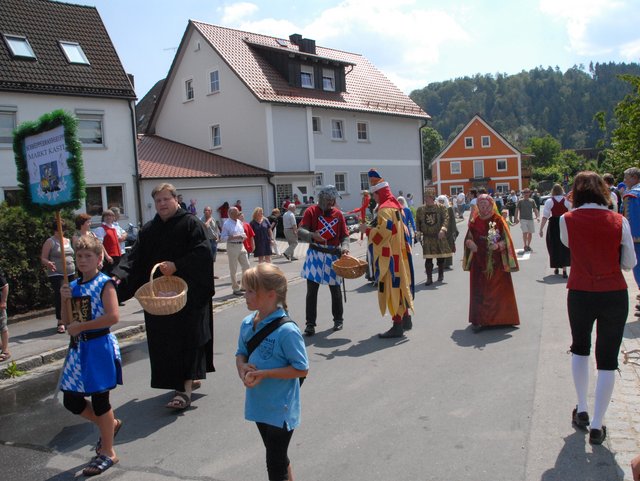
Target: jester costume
pixel 389 247
pixel 492 299
pixel 323 220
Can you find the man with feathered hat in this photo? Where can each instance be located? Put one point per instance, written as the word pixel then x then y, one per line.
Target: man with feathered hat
pixel 325 228
pixel 390 248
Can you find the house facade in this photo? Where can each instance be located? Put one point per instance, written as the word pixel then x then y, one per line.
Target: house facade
pixel 307 115
pixel 59 56
pixel 478 157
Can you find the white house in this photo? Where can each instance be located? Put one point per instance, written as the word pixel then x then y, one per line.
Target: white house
pixel 305 114
pixel 59 56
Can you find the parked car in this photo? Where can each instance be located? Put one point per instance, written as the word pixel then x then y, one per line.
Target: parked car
pixel 351 220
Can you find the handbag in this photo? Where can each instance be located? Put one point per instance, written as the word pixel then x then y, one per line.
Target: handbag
pixel 263 333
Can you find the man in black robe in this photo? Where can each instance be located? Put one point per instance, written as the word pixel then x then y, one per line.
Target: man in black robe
pixel 180 344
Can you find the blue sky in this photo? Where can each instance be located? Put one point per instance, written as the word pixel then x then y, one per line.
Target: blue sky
pixel 413 42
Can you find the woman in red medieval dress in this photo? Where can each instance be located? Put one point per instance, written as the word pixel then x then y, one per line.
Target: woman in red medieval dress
pixel 490 257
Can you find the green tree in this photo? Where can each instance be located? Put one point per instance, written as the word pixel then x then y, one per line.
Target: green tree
pixel 545 150
pixel 432 144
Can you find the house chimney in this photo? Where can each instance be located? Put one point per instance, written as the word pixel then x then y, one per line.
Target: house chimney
pixel 308 46
pixel 295 38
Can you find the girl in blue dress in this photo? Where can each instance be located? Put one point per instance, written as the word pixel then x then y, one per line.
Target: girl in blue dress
pixel 270 373
pixel 93 363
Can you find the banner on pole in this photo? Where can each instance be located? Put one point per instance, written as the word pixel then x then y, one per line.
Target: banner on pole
pixel 49 163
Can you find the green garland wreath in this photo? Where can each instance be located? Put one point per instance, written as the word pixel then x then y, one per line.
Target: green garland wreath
pixel 47 122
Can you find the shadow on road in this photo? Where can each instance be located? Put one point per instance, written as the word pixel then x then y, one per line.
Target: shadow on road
pixel 479 340
pixel 552 279
pixel 575 462
pixel 365 347
pixel 35 334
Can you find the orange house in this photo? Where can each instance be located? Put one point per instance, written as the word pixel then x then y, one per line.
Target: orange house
pixel 477 157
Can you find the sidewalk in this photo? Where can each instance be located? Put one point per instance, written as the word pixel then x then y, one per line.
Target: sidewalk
pixel 34 342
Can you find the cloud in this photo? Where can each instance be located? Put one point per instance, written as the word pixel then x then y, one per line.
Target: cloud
pixel 234 13
pixel 597 27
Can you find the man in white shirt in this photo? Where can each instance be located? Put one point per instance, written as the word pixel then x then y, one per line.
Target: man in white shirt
pixel 233 234
pixel 460 201
pixel 290 231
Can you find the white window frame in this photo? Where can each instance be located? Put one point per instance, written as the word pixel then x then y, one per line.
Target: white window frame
pixel 453 171
pixel 334 124
pixel 318 179
pixel 73 52
pixel 498 165
pixel 105 200
pixel 9 111
pixel 216 136
pixel 344 182
pixel 306 77
pixel 364 181
pixel 316 125
pixel 455 189
pixel 500 188
pixel 488 139
pixel 214 85
pixel 468 142
pixel 475 169
pixel 19 46
pixel 91 116
pixel 359 132
pixel 189 93
pixel 328 79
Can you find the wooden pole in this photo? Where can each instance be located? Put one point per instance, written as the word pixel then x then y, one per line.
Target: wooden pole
pixel 65 278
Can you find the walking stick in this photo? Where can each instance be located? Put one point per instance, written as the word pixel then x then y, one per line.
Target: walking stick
pixel 344 290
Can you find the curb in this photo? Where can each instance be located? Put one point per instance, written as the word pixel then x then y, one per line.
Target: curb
pixel 33 362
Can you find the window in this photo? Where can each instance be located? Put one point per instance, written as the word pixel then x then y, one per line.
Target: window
pixel 468 142
pixel 306 76
pixel 502 188
pixel 19 46
pixel 478 168
pixel 188 89
pixel 319 179
pixel 101 196
pixel 74 53
pixel 455 189
pixel 282 192
pixel 341 181
pixel 501 165
pixel 364 181
pixel 328 79
pixel 455 167
pixel 486 141
pixel 7 124
pixel 317 125
pixel 214 81
pixel 337 130
pixel 363 131
pixel 216 140
pixel 90 128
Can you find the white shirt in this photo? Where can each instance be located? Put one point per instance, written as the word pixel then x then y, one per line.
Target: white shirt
pixel 548 205
pixel 232 228
pixel 289 220
pixel 461 198
pixel 627 254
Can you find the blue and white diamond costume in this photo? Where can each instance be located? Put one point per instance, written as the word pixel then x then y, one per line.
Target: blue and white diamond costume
pixel 92 365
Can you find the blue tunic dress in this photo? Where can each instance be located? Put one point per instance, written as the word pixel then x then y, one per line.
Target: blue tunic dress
pixel 92 366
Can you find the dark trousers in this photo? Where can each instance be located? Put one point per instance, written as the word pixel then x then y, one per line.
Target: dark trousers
pixel 610 309
pixel 76 402
pixel 276 440
pixel 312 302
pixel 56 284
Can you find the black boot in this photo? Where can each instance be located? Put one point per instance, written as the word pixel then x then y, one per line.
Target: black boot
pixel 429 268
pixel 310 330
pixel 407 324
pixel 395 331
pixel 440 272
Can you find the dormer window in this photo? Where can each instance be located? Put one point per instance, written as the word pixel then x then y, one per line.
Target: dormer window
pixel 328 79
pixel 19 46
pixel 74 53
pixel 306 76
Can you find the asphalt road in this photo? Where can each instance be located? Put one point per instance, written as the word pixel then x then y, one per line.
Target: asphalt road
pixel 442 404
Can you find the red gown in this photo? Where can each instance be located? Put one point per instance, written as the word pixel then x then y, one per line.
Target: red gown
pixel 492 300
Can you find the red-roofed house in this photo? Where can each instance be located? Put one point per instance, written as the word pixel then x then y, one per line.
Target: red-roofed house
pixel 59 56
pixel 305 114
pixel 477 157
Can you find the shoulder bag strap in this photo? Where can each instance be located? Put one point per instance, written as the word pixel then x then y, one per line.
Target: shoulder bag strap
pixel 263 333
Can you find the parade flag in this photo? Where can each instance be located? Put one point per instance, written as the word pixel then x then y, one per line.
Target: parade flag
pixel 49 163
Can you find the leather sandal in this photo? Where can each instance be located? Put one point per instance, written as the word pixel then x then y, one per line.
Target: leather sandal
pixel 98 465
pixel 180 402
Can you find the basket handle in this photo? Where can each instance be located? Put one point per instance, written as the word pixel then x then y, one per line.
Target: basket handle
pixel 153 271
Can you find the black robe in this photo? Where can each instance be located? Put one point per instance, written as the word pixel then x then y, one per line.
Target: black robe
pixel 181 344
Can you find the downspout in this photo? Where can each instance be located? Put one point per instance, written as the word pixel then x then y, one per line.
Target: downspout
pixel 275 200
pixel 135 158
pixel 421 159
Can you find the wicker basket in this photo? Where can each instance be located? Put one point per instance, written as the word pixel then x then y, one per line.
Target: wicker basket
pixel 350 267
pixel 148 298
